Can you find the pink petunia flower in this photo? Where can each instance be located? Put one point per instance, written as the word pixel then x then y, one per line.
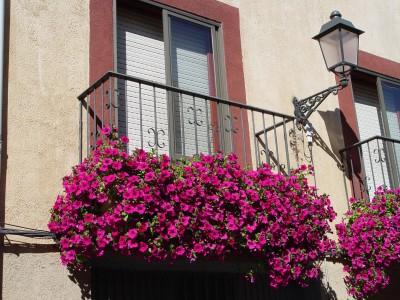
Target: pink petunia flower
pixel 109 179
pixel 140 209
pixel 124 139
pixel 180 251
pixel 106 130
pixel 143 247
pixel 132 233
pixel 143 227
pixel 198 248
pixel 172 232
pixel 149 176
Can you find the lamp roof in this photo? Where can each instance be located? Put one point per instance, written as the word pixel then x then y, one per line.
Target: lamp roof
pixel 337 22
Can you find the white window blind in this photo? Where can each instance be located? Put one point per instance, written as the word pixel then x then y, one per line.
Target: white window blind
pixel 140 53
pixel 192 69
pixel 369 125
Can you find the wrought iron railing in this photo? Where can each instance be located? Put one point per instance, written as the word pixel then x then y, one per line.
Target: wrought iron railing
pixel 372 163
pixel 183 123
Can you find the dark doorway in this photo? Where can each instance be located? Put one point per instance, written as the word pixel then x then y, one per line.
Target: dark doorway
pixel 111 283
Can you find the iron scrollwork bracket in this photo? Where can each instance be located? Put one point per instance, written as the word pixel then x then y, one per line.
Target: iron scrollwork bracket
pixel 195 116
pixel 305 107
pixel 381 155
pixel 156 134
pixel 230 126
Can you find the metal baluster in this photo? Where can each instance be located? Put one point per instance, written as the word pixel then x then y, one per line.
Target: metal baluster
pixel 126 112
pixel 312 164
pixel 266 148
pixel 87 125
pixel 295 141
pixel 361 158
pixel 276 144
pixel 231 130
pixel 208 126
pixel 351 175
pixel 344 162
pixel 109 100
pixel 286 145
pixel 116 105
pixel 220 126
pixel 243 137
pixel 155 120
pixel 395 161
pixel 370 163
pixel 102 104
pixel 380 161
pixel 255 140
pixel 182 126
pixel 94 117
pixel 80 129
pixel 196 139
pixel 388 158
pixel 141 116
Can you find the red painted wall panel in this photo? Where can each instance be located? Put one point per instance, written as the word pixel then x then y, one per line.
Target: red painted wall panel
pixel 102 56
pixel 379 64
pixel 101 53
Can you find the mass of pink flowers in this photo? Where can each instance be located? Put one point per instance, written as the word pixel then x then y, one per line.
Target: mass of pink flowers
pixel 369 241
pixel 204 208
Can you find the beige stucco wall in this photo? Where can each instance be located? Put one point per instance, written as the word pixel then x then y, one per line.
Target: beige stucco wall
pixel 48 68
pixel 282 61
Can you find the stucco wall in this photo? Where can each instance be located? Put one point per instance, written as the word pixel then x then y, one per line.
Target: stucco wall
pixel 282 61
pixel 48 68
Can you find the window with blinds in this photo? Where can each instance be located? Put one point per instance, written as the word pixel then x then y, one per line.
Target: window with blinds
pixel 141 53
pixel 170 49
pixel 192 69
pixel 377 104
pixel 369 121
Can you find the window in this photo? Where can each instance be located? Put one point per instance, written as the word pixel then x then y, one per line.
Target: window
pixel 377 103
pixel 162 46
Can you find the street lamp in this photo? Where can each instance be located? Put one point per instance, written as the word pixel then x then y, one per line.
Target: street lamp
pixel 338 40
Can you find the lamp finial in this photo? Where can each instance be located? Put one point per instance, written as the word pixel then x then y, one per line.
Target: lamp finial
pixel 335 14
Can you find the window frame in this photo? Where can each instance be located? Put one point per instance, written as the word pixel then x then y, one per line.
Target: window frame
pixel 224 139
pixel 392 162
pixel 221 89
pixel 382 104
pixel 394 179
pixel 216 38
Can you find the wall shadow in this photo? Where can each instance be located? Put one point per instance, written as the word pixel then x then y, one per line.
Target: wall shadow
pixel 320 142
pixel 339 138
pixel 21 248
pixel 80 277
pixel 333 128
pixel 327 292
pixel 336 133
pixel 83 279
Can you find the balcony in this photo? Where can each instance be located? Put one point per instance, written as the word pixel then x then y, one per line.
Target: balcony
pixel 372 163
pixel 182 123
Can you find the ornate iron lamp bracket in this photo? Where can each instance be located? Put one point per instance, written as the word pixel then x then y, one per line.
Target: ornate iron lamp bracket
pixel 305 107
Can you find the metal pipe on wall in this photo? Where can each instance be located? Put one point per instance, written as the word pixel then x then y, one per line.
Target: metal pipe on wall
pixel 2 21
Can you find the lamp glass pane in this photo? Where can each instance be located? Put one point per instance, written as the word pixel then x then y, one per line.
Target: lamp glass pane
pixel 330 47
pixel 350 46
